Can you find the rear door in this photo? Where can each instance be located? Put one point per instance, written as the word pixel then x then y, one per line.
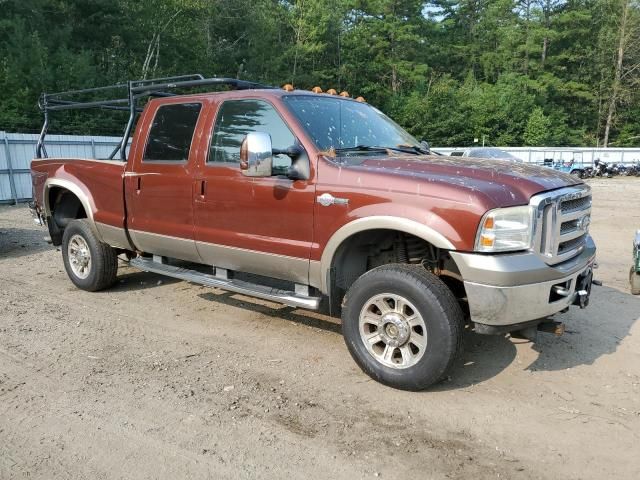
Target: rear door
pixel 159 186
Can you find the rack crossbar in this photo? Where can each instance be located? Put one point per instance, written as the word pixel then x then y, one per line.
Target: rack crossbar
pixel 137 89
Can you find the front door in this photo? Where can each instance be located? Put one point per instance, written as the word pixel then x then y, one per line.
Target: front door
pixel 159 187
pixel 257 225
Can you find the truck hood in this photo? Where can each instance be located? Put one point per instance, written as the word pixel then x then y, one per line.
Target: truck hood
pixel 504 183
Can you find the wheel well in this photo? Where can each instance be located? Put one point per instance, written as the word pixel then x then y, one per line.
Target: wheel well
pixel 64 206
pixel 366 250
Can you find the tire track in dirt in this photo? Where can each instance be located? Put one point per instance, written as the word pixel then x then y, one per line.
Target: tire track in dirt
pixel 354 429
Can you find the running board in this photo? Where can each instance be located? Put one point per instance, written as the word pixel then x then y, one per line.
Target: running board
pixel 292 299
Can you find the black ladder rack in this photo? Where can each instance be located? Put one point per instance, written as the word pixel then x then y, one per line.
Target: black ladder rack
pixel 126 99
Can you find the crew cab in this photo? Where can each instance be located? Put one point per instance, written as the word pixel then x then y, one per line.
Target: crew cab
pixel 320 201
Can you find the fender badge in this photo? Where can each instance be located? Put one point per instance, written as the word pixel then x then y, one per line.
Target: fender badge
pixel 327 199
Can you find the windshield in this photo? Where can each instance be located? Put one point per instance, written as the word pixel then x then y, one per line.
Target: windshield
pixel 491 153
pixel 349 127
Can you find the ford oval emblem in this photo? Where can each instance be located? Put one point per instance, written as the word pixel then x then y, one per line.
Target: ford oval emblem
pixel 583 223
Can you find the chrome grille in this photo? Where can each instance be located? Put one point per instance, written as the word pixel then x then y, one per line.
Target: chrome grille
pixel 575 204
pixel 562 222
pixel 567 227
pixel 570 244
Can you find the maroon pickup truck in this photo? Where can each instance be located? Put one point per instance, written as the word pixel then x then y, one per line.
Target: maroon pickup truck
pixel 319 201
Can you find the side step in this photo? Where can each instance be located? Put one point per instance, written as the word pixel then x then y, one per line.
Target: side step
pixel 292 299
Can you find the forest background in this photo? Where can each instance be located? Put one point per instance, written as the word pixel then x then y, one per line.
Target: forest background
pixel 526 72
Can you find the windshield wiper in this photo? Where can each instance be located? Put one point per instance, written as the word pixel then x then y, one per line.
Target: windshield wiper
pixel 411 149
pixel 360 148
pixel 376 148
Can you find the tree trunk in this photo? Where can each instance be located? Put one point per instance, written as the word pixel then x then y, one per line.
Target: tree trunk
pixel 615 87
pixel 527 20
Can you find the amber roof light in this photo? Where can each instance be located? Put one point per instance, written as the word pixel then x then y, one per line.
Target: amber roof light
pixel 316 90
pixel 288 87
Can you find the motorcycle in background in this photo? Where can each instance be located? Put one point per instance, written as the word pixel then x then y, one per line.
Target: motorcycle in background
pixel 634 169
pixel 600 168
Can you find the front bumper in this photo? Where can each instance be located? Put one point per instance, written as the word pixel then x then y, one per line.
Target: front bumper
pixel 513 289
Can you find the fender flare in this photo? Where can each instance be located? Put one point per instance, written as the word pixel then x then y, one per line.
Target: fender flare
pixel 383 222
pixel 77 191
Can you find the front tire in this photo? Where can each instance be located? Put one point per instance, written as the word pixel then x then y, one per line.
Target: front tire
pixel 90 264
pixel 402 326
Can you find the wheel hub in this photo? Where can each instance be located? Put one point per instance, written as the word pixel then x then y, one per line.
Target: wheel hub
pixel 79 256
pixel 395 329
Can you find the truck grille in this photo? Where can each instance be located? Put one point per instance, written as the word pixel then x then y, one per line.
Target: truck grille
pixel 576 204
pixel 562 222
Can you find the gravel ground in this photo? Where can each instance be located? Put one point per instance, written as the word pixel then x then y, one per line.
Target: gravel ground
pixel 163 379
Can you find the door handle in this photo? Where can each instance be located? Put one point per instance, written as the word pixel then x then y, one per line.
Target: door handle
pixel 201 189
pixel 138 183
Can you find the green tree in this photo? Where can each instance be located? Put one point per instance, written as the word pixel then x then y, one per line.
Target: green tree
pixel 447 70
pixel 536 133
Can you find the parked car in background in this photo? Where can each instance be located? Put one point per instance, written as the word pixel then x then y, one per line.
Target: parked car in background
pixel 568 162
pixel 486 152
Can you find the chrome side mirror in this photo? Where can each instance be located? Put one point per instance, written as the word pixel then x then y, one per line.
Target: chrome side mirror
pixel 256 155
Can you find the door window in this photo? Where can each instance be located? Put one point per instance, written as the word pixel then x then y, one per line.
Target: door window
pixel 236 119
pixel 171 133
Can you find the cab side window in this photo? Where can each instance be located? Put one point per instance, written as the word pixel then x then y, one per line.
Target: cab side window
pixel 236 118
pixel 172 132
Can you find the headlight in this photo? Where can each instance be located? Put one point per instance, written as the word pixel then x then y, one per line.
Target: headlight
pixel 505 229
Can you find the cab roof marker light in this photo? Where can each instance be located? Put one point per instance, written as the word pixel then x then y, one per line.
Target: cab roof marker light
pixel 316 90
pixel 332 91
pixel 287 87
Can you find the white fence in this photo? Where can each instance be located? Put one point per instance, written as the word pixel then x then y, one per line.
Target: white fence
pixel 586 156
pixel 17 150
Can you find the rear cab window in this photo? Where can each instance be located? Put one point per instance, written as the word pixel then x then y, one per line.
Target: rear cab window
pixel 171 133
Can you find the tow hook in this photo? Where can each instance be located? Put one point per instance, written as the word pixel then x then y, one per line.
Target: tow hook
pixel 583 298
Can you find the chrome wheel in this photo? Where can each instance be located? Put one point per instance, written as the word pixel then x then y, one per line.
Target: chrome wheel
pixel 79 256
pixel 393 331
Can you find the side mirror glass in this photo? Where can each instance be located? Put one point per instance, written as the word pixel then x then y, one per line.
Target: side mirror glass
pixel 425 146
pixel 256 155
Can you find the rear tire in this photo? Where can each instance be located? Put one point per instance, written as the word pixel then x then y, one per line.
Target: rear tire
pixel 402 326
pixel 90 264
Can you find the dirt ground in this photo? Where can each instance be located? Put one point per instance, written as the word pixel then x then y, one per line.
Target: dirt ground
pixel 163 379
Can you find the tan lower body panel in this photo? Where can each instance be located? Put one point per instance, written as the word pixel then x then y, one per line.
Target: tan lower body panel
pixel 165 245
pixel 114 236
pixel 251 261
pixel 315 275
pixel 283 267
